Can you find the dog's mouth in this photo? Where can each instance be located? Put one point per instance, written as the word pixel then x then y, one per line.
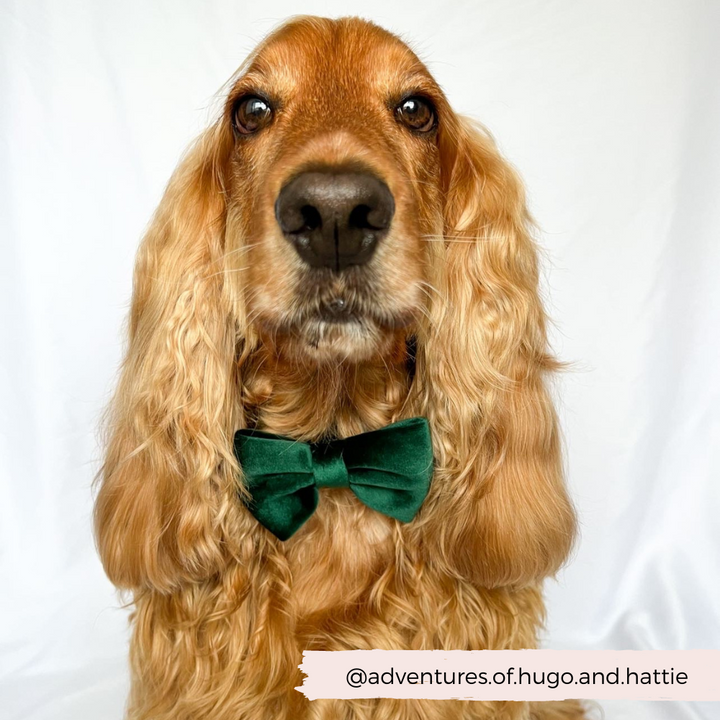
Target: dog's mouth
pixel 338 310
pixel 336 316
pixel 342 311
pixel 340 326
pixel 351 301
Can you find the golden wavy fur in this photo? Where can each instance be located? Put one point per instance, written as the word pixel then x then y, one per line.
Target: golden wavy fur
pixel 223 334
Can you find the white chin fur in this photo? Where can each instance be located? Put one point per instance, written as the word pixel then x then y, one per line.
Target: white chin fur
pixel 354 341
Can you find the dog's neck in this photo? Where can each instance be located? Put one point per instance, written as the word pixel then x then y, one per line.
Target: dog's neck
pixel 308 401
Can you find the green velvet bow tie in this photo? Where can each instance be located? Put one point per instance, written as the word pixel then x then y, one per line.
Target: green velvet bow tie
pixel 389 470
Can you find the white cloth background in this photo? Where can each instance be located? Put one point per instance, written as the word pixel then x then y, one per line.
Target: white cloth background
pixel 611 111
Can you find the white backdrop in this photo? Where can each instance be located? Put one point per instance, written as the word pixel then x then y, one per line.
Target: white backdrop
pixel 611 111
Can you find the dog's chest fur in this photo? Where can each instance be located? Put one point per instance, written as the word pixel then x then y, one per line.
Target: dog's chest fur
pixel 339 554
pixel 345 547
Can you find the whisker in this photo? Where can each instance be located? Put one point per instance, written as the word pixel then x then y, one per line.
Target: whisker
pixel 428 317
pixel 456 238
pixel 243 248
pixel 228 271
pixel 457 241
pixel 422 284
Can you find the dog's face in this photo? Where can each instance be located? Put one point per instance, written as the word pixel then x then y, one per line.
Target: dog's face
pixel 334 194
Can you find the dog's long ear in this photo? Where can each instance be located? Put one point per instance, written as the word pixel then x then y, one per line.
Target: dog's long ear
pixel 499 512
pixel 168 472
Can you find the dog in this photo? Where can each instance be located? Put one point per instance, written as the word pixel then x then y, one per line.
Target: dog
pixel 339 252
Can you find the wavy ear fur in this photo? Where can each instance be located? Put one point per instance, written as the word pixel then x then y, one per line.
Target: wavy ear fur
pixel 500 514
pixel 167 483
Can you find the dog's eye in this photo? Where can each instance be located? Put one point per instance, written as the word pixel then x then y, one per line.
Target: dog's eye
pixel 417 114
pixel 251 114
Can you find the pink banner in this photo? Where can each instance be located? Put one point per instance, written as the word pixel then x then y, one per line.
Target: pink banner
pixel 513 674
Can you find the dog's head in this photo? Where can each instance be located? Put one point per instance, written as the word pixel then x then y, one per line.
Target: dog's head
pixel 342 200
pixel 333 186
pixel 335 214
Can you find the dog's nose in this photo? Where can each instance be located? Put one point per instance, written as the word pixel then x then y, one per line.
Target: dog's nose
pixel 335 219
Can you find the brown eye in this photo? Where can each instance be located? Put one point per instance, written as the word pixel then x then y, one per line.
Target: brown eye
pixel 417 114
pixel 251 114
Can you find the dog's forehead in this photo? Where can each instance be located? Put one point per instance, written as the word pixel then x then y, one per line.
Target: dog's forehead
pixel 340 57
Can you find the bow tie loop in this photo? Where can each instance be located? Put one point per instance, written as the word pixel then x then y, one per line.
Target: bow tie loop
pixel 389 470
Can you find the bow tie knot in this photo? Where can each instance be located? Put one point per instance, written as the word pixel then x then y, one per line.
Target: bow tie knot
pixel 389 470
pixel 329 469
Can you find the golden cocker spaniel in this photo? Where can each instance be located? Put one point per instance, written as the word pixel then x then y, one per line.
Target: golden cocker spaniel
pixel 338 252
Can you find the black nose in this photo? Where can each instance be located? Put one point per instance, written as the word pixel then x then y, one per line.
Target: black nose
pixel 335 219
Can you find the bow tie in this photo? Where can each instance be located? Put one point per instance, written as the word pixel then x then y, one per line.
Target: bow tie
pixel 389 470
